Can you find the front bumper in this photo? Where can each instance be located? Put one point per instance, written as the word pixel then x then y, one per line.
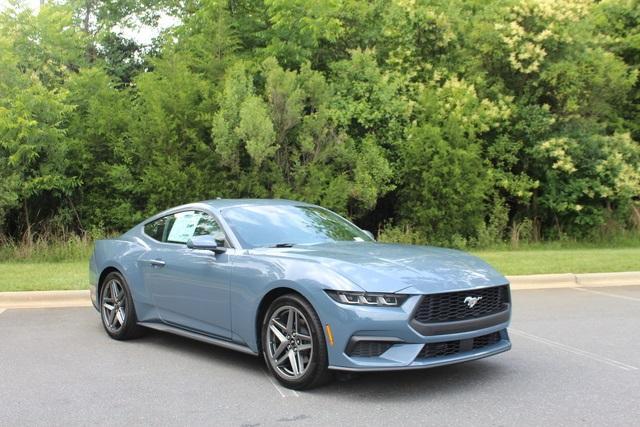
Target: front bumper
pixel 406 344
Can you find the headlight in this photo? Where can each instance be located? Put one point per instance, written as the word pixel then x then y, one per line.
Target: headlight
pixel 365 298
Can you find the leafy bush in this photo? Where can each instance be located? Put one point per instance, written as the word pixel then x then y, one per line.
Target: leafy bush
pixel 469 124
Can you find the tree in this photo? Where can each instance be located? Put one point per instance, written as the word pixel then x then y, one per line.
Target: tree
pixel 444 177
pixel 40 52
pixel 450 119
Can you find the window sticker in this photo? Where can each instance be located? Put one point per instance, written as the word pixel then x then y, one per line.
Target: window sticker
pixel 184 226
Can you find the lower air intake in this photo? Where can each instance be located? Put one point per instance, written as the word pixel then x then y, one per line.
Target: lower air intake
pixel 449 348
pixel 369 348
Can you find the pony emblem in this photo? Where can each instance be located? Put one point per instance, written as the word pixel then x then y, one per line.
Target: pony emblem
pixel 471 301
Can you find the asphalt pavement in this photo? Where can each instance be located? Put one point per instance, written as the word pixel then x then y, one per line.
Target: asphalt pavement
pixel 575 361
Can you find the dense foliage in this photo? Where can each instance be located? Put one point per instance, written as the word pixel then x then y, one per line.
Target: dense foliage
pixel 448 121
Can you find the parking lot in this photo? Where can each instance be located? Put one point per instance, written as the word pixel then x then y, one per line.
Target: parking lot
pixel 575 361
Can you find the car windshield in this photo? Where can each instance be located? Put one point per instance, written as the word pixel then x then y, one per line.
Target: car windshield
pixel 284 225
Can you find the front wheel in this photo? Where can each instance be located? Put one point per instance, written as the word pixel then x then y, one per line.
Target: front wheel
pixel 293 343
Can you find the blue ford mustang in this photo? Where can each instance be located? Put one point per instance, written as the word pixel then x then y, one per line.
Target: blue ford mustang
pixel 301 286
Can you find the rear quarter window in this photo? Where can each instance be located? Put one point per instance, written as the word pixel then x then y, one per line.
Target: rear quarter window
pixel 155 229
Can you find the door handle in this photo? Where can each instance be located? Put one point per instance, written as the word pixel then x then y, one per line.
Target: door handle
pixel 157 262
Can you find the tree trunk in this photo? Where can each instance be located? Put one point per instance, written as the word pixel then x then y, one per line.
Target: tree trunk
pixel 635 216
pixel 87 16
pixel 75 211
pixel 28 235
pixel 86 26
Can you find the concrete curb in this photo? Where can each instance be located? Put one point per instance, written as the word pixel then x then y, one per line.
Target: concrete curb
pixel 52 299
pixel 570 280
pixel 44 299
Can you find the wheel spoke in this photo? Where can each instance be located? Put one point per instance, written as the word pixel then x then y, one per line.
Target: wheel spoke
pixel 290 316
pixel 282 347
pixel 120 315
pixel 114 290
pixel 108 306
pixel 300 361
pixel 304 347
pixel 278 325
pixel 277 333
pixel 112 317
pixel 303 337
pixel 282 359
pixel 294 363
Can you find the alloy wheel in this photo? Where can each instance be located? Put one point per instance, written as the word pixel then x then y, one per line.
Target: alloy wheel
pixel 114 305
pixel 290 342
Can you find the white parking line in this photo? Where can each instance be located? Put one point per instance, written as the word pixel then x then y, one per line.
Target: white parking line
pixel 284 392
pixel 607 294
pixel 574 350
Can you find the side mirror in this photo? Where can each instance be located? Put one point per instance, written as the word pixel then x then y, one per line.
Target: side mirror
pixel 370 234
pixel 207 243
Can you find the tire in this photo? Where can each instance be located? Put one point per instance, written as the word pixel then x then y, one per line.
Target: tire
pixel 120 322
pixel 306 329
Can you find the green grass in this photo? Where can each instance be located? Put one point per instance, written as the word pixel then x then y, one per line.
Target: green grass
pixel 541 261
pixel 44 276
pixel 47 264
pixel 56 250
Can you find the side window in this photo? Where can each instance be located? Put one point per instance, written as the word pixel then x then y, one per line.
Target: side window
pixel 181 226
pixel 155 229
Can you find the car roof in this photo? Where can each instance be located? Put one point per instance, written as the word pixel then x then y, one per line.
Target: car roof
pixel 229 203
pixel 218 204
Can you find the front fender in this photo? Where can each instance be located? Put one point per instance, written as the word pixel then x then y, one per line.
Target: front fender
pixel 254 277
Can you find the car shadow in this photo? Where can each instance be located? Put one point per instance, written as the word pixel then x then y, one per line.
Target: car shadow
pixel 205 352
pixel 415 384
pixel 397 385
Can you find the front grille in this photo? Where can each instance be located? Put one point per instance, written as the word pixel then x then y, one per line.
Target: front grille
pixel 449 348
pixel 451 306
pixel 369 348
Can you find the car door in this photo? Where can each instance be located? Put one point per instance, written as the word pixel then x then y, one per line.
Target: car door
pixel 190 288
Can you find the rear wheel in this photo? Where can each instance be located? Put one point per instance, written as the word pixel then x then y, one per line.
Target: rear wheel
pixel 293 343
pixel 116 308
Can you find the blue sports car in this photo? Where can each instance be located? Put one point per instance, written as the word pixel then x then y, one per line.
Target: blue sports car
pixel 301 286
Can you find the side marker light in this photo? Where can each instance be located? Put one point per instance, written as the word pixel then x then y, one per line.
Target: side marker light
pixel 329 334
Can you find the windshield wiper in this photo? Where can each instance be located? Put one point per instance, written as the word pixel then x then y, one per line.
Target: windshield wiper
pixel 282 245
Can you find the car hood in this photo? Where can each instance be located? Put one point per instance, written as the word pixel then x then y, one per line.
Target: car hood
pixel 378 267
